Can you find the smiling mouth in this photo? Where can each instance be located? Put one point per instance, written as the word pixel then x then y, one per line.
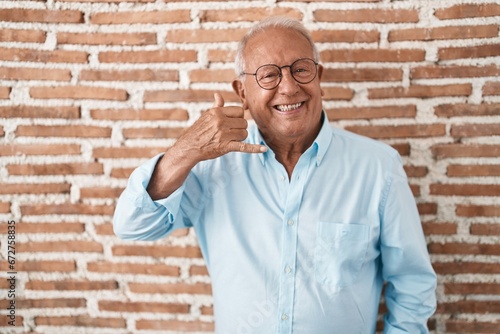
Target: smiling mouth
pixel 288 107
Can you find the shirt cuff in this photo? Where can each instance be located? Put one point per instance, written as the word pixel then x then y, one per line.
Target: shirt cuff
pixel 136 191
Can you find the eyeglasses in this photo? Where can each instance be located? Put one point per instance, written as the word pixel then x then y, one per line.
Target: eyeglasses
pixel 269 76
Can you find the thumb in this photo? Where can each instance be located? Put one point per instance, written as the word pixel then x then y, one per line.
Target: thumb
pixel 218 100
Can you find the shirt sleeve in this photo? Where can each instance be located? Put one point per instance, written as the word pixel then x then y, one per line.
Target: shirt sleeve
pixel 410 279
pixel 138 217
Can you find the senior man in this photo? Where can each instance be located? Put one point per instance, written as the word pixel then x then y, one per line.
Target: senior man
pixel 300 224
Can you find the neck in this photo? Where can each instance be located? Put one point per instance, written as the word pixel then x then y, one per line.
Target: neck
pixel 288 150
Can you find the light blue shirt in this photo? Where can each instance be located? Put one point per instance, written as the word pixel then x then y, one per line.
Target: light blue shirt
pixel 308 255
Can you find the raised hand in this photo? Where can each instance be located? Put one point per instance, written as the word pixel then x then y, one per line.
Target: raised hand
pixel 218 131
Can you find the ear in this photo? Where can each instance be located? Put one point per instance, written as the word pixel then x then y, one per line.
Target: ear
pixel 320 75
pixel 239 89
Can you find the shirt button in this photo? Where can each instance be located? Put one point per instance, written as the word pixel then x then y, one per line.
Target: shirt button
pixel 288 269
pixel 290 222
pixel 282 178
pixel 284 316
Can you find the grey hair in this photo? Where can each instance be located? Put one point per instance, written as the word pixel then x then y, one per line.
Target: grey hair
pixel 271 22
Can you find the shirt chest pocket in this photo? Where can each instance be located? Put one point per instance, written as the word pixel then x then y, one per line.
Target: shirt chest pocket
pixel 340 252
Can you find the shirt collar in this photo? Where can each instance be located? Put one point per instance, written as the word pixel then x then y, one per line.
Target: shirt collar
pixel 320 144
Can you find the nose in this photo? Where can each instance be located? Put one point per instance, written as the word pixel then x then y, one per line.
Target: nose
pixel 288 85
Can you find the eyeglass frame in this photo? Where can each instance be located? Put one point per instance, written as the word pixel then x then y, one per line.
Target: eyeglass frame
pixel 281 72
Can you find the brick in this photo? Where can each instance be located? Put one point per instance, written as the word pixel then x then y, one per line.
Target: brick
pixel 157 251
pixel 453 71
pixel 367 15
pixel 464 248
pixel 81 321
pixel 217 55
pixel 408 111
pixel 399 131
pixel 121 173
pixel 24 111
pixel 476 327
pixel 472 170
pixel 465 189
pixel 198 95
pixel 142 57
pixel 361 74
pixel 79 93
pixel 206 310
pixel 40 149
pixel 249 14
pixel 479 51
pixel 469 306
pixel 171 288
pixel 420 91
pixel 478 210
pixel 60 246
pixel 308 1
pixel 438 228
pixel 416 171
pixel 443 33
pixel 345 36
pixel 133 268
pixel 402 148
pixel 126 152
pixel 205 35
pixel 4 207
pixel 66 209
pixel 44 266
pixel 212 75
pixel 175 325
pixel 152 133
pixel 475 130
pixel 82 131
pixel 23 36
pixel 149 307
pixel 467 10
pixel 427 208
pixel 56 56
pixel 454 268
pixel 40 15
pixel 491 88
pixel 105 229
pixel 145 17
pixel 442 151
pixel 109 1
pixel 106 38
pixel 337 93
pixel 130 75
pixel 29 228
pixel 472 288
pixel 198 270
pixel 56 169
pixel 35 188
pixel 4 92
pixel 100 192
pixel 4 321
pixel 464 109
pixel 372 55
pixel 142 114
pixel 51 303
pixel 485 229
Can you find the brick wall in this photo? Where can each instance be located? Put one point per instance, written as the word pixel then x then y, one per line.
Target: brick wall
pixel 89 89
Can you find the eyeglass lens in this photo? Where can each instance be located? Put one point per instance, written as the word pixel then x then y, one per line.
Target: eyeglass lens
pixel 302 70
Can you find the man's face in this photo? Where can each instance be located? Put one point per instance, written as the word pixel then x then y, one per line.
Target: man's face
pixel 300 119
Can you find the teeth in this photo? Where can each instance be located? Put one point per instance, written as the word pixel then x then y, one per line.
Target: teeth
pixel 288 107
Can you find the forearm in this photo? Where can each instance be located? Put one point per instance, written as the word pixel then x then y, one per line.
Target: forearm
pixel 170 173
pixel 137 216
